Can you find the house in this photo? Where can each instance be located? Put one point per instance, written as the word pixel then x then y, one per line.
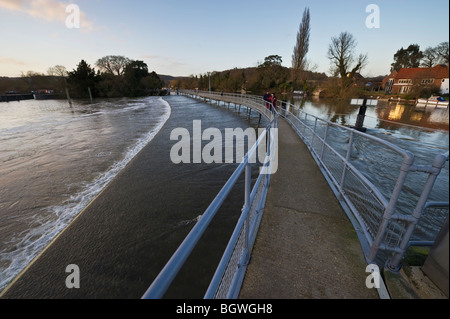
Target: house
pixel 374 83
pixel 403 81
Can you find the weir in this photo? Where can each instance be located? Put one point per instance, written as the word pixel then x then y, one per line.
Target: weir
pixel 231 270
pixel 384 231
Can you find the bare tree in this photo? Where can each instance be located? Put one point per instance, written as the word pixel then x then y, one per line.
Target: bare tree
pixel 57 70
pixel 430 57
pixel 442 51
pixel 345 64
pixel 30 74
pixel 113 64
pixel 299 61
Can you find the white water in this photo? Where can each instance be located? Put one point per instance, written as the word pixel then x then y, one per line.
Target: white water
pixel 20 244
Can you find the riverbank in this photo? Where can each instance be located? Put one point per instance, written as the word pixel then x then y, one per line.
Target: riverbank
pixel 16 97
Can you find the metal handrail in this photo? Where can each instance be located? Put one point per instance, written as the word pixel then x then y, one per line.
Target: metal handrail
pixel 163 281
pixel 388 215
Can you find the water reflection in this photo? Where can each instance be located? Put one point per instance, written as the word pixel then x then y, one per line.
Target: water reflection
pixel 432 118
pixel 386 115
pixel 339 112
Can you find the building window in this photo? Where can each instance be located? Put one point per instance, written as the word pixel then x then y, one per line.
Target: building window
pixel 427 81
pixel 404 89
pixel 405 81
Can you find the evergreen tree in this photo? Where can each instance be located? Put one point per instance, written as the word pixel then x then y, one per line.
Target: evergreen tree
pixel 139 82
pixel 407 58
pixel 82 79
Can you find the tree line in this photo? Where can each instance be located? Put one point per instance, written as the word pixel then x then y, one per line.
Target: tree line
pixel 413 57
pixel 115 76
pixel 346 65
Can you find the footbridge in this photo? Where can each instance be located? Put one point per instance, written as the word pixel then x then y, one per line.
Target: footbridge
pixel 317 226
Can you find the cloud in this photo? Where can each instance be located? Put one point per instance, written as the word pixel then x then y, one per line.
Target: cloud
pixel 148 56
pixel 49 10
pixel 11 61
pixel 12 4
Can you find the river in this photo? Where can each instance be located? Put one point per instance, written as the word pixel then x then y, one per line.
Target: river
pixel 56 159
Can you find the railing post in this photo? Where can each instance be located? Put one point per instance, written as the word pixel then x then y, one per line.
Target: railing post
pixel 324 141
pixel 390 209
pixel 248 184
pixel 314 134
pixel 344 171
pixel 439 162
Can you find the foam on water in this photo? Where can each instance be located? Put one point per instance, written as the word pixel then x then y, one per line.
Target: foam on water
pixel 28 245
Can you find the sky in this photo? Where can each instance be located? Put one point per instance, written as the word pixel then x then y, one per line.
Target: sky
pixel 182 38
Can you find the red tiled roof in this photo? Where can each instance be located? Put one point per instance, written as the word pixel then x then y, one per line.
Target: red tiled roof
pixel 437 72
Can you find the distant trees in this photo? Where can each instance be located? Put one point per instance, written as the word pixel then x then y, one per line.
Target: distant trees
pixel 413 57
pixel 430 57
pixel 407 58
pixel 83 79
pixel 113 78
pixel 57 70
pixel 271 61
pixel 59 73
pixel 113 64
pixel 138 81
pixel 272 76
pixel 33 81
pixel 442 52
pixel 229 81
pixel 117 76
pixel 271 73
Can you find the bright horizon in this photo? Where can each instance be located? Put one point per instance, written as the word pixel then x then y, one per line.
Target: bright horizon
pixel 181 38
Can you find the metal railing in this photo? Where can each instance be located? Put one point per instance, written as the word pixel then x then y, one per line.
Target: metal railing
pixel 380 220
pixel 376 214
pixel 230 272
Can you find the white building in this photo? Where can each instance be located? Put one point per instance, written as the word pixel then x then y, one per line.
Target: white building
pixel 444 86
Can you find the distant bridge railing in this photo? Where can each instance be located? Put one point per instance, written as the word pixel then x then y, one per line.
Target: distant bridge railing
pixel 230 272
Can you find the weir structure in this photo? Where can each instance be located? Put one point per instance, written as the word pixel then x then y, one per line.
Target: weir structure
pixel 384 225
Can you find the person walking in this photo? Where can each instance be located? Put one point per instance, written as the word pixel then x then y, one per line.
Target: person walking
pixel 273 99
pixel 267 98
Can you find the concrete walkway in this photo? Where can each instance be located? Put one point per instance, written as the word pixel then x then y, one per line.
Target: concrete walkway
pixel 306 247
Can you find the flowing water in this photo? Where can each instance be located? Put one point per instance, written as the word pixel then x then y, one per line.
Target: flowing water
pixel 55 159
